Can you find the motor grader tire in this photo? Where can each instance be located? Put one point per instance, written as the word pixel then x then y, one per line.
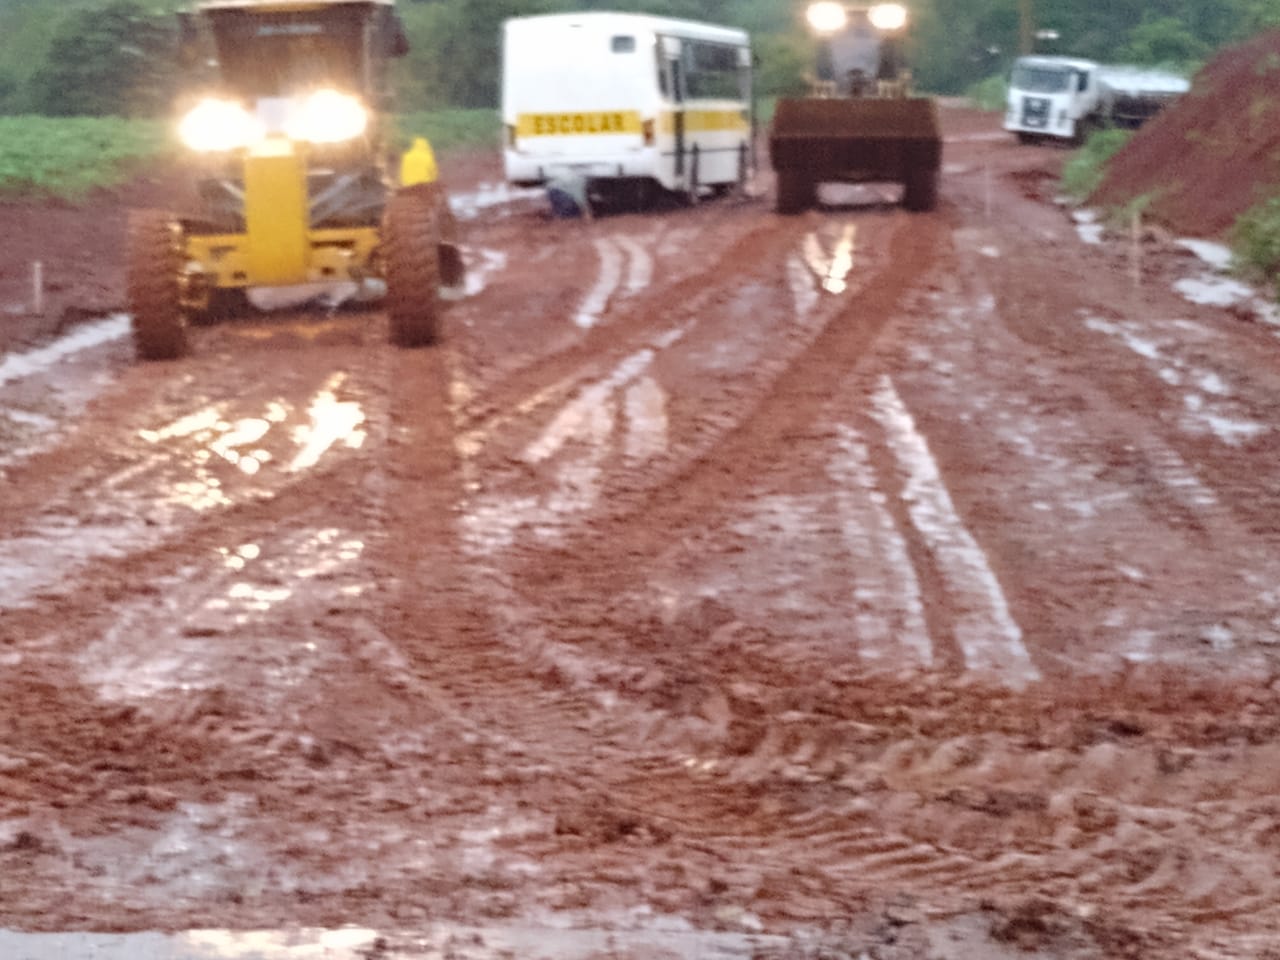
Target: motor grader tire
pixel 920 189
pixel 154 265
pixel 796 192
pixel 413 229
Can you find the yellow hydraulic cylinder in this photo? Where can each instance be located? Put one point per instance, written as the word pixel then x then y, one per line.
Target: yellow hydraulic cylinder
pixel 276 214
pixel 418 165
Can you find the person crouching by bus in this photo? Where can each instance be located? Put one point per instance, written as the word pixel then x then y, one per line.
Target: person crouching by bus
pixel 567 194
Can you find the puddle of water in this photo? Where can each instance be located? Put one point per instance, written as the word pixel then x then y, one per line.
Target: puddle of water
pixel 803 292
pixel 889 611
pixel 831 270
pixel 332 421
pixel 42 558
pixel 610 278
pixel 640 935
pixel 1209 290
pixel 162 646
pixel 19 366
pixel 481 266
pixel 469 205
pixel 1216 255
pixel 639 267
pixel 646 407
pixel 1088 227
pixel 1202 415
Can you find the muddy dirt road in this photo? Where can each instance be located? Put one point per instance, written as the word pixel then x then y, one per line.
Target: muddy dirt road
pixel 908 581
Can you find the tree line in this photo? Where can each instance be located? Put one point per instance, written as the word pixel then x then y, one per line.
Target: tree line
pixel 102 57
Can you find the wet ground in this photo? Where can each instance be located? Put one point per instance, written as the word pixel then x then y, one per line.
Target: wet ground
pixel 855 584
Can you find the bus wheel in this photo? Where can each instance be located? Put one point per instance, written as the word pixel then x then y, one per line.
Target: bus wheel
pixel 691 188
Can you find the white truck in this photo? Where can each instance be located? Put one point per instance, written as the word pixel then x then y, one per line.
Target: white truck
pixel 1065 98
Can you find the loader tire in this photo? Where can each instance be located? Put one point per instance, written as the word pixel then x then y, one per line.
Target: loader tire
pixel 920 189
pixel 413 229
pixel 796 192
pixel 153 284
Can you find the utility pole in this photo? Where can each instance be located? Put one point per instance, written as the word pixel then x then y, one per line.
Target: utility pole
pixel 1026 27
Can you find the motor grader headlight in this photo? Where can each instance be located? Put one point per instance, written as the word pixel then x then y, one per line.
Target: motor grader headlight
pixel 327 116
pixel 216 126
pixel 827 16
pixel 888 17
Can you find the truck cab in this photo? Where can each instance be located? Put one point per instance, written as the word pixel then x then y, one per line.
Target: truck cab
pixel 1051 97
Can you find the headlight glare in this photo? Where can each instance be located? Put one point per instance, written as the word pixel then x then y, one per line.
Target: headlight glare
pixel 215 126
pixel 327 116
pixel 827 16
pixel 888 17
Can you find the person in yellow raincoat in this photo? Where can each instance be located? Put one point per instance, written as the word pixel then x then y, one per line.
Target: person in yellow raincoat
pixel 419 170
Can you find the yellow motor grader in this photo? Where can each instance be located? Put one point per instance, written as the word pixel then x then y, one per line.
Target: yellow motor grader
pixel 860 122
pixel 288 136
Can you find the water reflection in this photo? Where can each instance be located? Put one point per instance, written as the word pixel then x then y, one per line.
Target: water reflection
pixel 332 421
pixel 831 270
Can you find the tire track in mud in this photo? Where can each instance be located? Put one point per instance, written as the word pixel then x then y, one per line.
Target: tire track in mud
pixel 1112 458
pixel 1049 310
pixel 627 327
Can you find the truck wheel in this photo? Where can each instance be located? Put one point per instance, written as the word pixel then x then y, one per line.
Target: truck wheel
pixel 920 189
pixel 796 192
pixel 154 286
pixel 411 235
pixel 1028 139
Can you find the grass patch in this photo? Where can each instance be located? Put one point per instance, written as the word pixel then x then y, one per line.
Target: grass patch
pixel 991 94
pixel 450 129
pixel 1255 242
pixel 1083 173
pixel 67 157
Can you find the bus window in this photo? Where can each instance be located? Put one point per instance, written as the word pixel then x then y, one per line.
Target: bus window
pixel 712 71
pixel 623 44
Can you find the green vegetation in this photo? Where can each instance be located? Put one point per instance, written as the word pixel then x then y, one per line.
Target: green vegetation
pixel 450 129
pixel 113 56
pixel 1255 241
pixel 1084 171
pixel 67 157
pixel 991 94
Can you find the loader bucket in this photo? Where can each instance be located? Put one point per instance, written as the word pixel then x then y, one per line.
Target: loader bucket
pixel 823 140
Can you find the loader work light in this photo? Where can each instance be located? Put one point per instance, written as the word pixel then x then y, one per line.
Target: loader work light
pixel 215 126
pixel 888 17
pixel 827 16
pixel 327 116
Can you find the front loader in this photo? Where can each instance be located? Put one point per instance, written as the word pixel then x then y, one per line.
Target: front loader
pixel 288 136
pixel 860 122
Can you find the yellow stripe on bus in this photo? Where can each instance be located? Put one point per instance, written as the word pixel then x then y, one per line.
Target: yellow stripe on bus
pixel 706 121
pixel 577 124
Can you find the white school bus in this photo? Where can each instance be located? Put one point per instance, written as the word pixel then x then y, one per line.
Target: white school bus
pixel 626 101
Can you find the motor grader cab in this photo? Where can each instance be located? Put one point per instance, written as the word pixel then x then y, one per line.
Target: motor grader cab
pixel 286 131
pixel 860 122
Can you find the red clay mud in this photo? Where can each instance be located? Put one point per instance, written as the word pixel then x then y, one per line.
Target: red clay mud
pixel 900 585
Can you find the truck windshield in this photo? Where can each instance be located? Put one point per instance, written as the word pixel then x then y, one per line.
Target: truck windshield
pixel 281 54
pixel 1041 79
